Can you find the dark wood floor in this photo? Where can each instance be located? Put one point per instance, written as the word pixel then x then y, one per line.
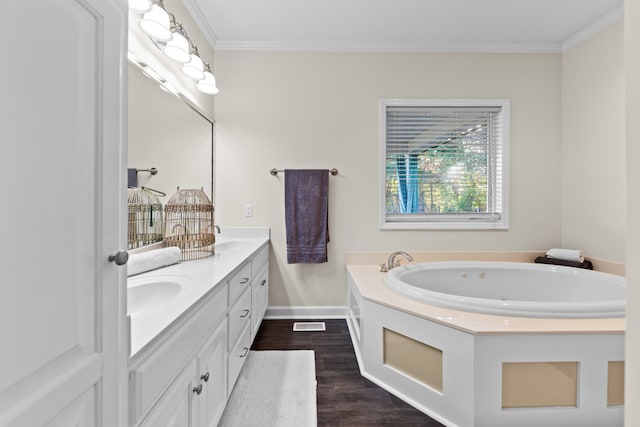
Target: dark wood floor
pixel 344 397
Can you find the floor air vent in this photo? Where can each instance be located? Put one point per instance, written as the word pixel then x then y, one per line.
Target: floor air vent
pixel 309 326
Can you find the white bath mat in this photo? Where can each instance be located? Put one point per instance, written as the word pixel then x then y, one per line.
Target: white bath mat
pixel 309 326
pixel 274 389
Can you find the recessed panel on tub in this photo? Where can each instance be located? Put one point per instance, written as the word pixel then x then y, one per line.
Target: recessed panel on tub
pixel 413 358
pixel 615 386
pixel 539 384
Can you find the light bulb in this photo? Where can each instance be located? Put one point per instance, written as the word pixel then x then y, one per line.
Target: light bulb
pixel 156 24
pixel 194 68
pixel 177 48
pixel 140 6
pixel 208 84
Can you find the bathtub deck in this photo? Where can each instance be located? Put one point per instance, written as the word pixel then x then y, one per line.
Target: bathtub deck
pixel 466 364
pixel 371 285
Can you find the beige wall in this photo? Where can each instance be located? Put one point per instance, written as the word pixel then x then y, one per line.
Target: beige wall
pixel 632 344
pixel 321 110
pixel 593 146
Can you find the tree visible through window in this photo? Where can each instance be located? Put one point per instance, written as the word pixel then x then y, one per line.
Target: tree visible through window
pixel 444 164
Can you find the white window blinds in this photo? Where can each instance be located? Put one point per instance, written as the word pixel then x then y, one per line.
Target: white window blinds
pixel 445 164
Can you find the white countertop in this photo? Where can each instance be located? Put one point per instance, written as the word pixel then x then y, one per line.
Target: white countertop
pixel 370 283
pixel 199 277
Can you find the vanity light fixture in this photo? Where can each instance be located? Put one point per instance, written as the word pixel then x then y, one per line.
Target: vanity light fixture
pixel 170 36
pixel 178 47
pixel 140 6
pixel 156 23
pixel 208 84
pixel 194 68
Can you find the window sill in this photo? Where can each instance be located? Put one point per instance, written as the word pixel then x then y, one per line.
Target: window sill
pixel 455 226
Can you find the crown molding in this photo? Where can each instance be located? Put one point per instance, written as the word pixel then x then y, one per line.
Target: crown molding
pixel 198 16
pixel 386 47
pixel 593 28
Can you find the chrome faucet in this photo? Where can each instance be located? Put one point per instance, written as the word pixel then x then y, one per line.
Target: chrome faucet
pixel 217 227
pixel 391 262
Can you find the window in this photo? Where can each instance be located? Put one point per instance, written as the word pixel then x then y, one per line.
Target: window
pixel 445 164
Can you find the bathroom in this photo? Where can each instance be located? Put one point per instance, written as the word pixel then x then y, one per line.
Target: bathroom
pixel 336 94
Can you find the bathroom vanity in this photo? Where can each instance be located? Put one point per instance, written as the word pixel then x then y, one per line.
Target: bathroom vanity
pixel 187 349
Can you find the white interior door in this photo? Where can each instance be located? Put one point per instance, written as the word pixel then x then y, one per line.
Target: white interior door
pixel 62 334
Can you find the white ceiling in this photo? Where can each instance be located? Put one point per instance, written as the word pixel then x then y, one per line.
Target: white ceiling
pixel 402 25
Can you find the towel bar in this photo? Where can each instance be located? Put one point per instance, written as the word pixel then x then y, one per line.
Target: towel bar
pixel 275 171
pixel 152 171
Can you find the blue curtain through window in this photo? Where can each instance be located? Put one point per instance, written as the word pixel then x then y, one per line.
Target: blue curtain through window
pixel 407 173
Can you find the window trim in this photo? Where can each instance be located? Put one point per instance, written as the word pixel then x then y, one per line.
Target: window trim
pixel 473 222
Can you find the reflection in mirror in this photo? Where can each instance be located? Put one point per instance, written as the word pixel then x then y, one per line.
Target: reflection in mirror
pixel 167 134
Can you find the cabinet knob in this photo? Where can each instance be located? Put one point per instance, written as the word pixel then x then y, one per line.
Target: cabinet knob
pixel 245 313
pixel 263 282
pixel 205 377
pixel 198 390
pixel 120 257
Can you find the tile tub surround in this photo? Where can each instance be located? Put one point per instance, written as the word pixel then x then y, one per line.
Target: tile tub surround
pixel 474 348
pixel 202 274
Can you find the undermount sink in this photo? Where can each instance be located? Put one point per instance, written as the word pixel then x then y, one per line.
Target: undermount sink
pixel 149 293
pixel 230 245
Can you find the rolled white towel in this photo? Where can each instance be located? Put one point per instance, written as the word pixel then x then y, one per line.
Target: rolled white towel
pixel 147 261
pixel 566 254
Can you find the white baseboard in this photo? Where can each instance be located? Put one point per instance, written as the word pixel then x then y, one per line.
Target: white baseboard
pixel 304 312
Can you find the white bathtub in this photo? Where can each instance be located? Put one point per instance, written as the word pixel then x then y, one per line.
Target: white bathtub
pixel 512 289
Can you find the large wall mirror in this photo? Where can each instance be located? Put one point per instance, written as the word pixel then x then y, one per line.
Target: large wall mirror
pixel 167 134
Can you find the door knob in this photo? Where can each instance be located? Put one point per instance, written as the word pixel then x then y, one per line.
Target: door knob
pixel 120 257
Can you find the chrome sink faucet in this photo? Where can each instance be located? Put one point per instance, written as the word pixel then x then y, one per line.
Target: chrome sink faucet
pixel 217 227
pixel 392 262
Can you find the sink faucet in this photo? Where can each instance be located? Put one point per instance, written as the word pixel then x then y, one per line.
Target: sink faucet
pixel 391 262
pixel 217 227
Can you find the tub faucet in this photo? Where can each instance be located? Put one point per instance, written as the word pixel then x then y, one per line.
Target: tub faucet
pixel 391 262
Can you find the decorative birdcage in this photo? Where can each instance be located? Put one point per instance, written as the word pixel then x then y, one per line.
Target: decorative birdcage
pixel 188 224
pixel 145 218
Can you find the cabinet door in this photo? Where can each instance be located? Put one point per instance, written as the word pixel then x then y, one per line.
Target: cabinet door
pixel 62 320
pixel 212 370
pixel 178 406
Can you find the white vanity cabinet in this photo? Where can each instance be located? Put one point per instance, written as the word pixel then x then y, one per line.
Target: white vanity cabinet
pixel 185 375
pixel 197 397
pixel 259 298
pixel 172 367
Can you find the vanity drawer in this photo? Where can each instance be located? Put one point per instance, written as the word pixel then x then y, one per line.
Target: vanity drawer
pixel 239 282
pixel 238 355
pixel 239 316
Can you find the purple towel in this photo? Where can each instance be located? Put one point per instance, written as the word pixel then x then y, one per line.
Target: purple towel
pixel 306 207
pixel 132 175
